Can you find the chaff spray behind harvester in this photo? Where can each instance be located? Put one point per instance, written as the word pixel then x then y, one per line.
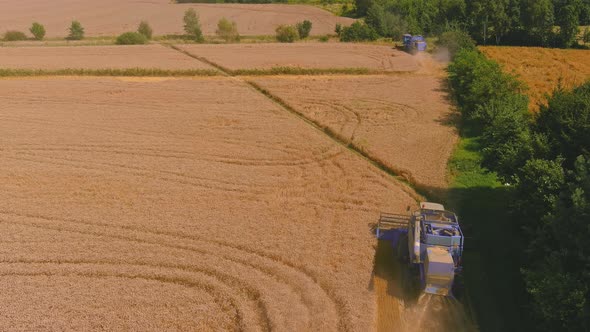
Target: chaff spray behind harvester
pixel 435 244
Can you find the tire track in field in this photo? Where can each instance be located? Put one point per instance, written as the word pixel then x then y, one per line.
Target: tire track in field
pixel 220 298
pixel 402 179
pixel 165 149
pixel 137 173
pixel 341 109
pixel 160 175
pixel 271 265
pixel 393 110
pixel 237 286
pixel 133 151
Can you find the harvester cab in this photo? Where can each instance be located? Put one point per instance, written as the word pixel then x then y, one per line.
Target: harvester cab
pixel 435 244
pixel 414 44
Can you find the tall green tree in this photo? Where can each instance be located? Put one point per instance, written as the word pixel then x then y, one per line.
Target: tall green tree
pixel 538 18
pixel 566 122
pixel 192 25
pixel 559 279
pixel 568 20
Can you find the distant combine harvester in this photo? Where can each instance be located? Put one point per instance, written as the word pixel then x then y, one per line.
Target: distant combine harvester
pixel 414 44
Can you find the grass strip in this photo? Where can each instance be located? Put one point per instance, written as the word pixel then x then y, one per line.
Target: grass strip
pixel 493 291
pixel 305 71
pixel 139 72
pixel 202 59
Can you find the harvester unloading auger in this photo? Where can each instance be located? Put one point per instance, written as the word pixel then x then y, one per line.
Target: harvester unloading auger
pixel 435 244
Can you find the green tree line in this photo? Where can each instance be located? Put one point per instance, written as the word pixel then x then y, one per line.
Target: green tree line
pixel 507 22
pixel 544 159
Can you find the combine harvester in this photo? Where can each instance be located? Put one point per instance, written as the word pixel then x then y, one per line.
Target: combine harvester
pixel 414 44
pixel 435 244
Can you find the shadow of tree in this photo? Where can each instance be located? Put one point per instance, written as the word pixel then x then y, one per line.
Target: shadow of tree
pixel 493 292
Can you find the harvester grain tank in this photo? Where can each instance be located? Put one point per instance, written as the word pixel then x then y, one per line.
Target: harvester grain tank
pixel 435 244
pixel 414 44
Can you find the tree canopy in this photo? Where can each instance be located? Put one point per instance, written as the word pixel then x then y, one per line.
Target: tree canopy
pixel 510 22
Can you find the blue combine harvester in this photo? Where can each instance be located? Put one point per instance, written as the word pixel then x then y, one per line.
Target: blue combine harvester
pixel 434 244
pixel 414 44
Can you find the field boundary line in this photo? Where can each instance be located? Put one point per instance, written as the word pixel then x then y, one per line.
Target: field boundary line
pixel 222 69
pixel 407 181
pixel 402 176
pixel 286 70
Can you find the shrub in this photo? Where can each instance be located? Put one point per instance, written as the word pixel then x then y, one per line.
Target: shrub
pixel 358 32
pixel 145 29
pixel 477 80
pixel 131 38
pixel 38 31
pixel 12 35
pixel 454 40
pixel 338 29
pixel 385 23
pixel 192 26
pixel 566 122
pixel 228 30
pixel 76 31
pixel 303 29
pixel 287 33
pixel 586 35
pixel 324 39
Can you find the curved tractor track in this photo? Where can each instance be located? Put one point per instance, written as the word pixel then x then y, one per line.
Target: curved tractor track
pixel 253 221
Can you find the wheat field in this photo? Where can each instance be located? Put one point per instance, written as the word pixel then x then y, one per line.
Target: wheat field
pixel 542 69
pixel 180 204
pixel 406 122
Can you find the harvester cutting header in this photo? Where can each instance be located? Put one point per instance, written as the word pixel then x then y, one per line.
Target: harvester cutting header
pixel 435 244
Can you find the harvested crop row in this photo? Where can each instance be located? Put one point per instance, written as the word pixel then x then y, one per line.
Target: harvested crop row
pixel 305 55
pixel 199 188
pixel 404 122
pixel 113 17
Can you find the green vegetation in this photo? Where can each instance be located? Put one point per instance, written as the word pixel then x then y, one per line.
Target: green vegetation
pixel 454 40
pixel 304 71
pixel 509 22
pixel 491 274
pixel 231 1
pixel 38 31
pixel 131 38
pixel 541 215
pixel 287 34
pixel 338 29
pixel 228 30
pixel 13 35
pixel 303 29
pixel 131 72
pixel 145 29
pixel 324 39
pixel 586 35
pixel 386 23
pixel 357 32
pixel 192 25
pixel 76 31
